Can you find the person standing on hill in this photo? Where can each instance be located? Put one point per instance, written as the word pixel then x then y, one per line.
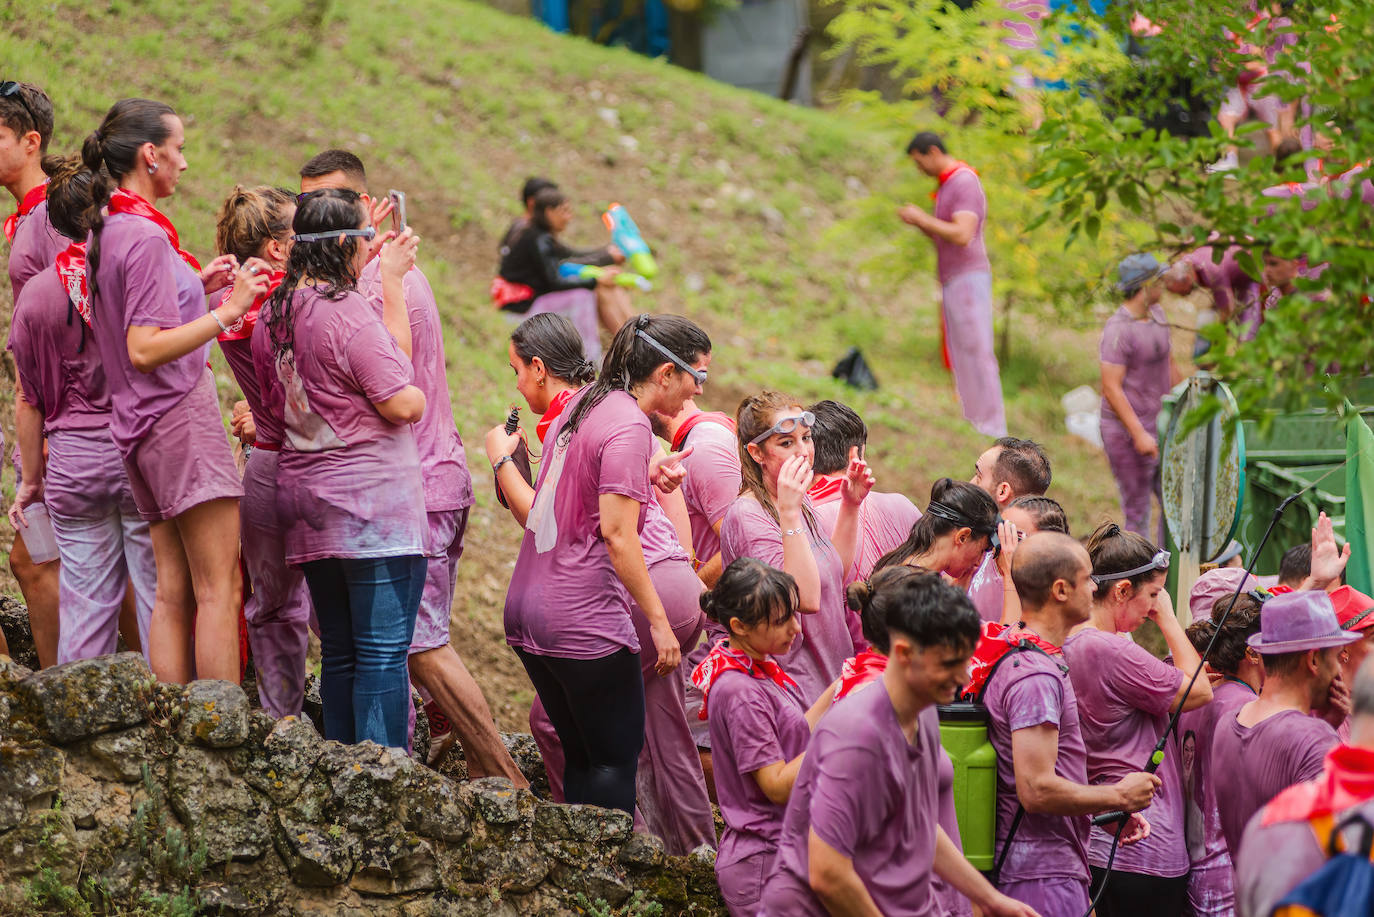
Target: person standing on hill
pixel 955 225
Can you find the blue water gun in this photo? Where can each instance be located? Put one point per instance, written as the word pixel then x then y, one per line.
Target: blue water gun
pixel 573 271
pixel 625 236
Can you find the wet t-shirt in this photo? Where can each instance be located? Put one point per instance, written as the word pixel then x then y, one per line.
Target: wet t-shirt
pixel 60 377
pixel 884 522
pixel 267 400
pixel 35 247
pixel 987 589
pixel 961 192
pixel 1143 348
pixel 711 485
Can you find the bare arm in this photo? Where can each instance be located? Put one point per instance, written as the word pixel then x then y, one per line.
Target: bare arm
pixel 151 346
pixel 406 406
pixel 397 258
pixel 1186 658
pixel 776 780
pixel 1043 792
pixel 619 528
pixel 797 558
pixel 710 571
pixel 519 494
pixel 1113 375
pixel 28 430
pixel 958 231
pixel 951 866
pixel 834 880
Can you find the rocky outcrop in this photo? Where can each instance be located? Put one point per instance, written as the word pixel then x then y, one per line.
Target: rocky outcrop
pixel 119 793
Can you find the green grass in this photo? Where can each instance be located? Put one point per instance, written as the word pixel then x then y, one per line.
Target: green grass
pixel 456 103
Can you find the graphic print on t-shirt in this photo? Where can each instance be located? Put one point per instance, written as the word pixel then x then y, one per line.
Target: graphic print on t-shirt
pixel 306 431
pixel 543 522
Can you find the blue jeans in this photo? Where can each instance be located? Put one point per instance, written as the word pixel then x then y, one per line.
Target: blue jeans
pixel 366 608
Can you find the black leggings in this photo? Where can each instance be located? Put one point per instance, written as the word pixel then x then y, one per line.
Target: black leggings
pixel 597 708
pixel 1130 894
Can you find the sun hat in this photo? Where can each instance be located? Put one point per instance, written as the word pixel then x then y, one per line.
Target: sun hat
pixel 1297 621
pixel 1137 269
pixel 1215 584
pixel 1354 609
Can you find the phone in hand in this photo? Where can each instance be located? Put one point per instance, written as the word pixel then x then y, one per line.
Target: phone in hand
pixel 398 209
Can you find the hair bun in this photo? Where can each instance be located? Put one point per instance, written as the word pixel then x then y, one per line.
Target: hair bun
pixel 858 594
pixel 708 603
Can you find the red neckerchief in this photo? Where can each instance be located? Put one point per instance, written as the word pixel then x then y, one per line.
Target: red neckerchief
pixel 996 641
pixel 680 436
pixel 556 406
pixel 125 201
pixel 824 489
pixel 36 196
pixel 723 659
pixel 948 174
pixel 242 329
pixel 860 670
pixel 71 270
pixel 1347 779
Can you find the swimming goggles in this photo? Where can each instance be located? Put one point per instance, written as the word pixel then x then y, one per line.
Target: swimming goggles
pixel 950 514
pixel 697 374
pixel 369 234
pixel 10 89
pixel 786 425
pixel 1159 562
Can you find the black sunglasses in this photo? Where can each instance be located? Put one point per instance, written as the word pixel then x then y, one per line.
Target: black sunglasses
pixel 9 89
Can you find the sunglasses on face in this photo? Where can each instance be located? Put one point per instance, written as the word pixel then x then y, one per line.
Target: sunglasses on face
pixel 369 234
pixel 786 425
pixel 9 89
pixel 698 374
pixel 1159 562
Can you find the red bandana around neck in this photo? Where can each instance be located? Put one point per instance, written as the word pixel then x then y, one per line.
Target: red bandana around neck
pixel 125 201
pixel 556 406
pixel 243 328
pixel 680 436
pixel 71 270
pixel 859 671
pixel 36 196
pixel 825 489
pixel 996 641
pixel 1347 779
pixel 723 659
pixel 948 174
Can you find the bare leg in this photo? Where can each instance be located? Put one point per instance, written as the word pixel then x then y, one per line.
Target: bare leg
pixel 38 583
pixel 210 533
pixel 174 607
pixel 128 621
pixel 705 755
pixel 441 672
pixel 613 307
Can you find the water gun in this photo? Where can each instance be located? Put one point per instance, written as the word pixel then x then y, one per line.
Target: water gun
pixel 625 236
pixel 573 271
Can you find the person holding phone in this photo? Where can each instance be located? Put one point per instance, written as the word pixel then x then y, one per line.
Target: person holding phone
pixel 151 326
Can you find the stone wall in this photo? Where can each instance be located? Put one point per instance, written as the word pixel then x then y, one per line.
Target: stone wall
pixel 121 795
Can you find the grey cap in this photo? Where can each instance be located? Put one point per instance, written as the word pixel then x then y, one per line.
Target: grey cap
pixel 1135 270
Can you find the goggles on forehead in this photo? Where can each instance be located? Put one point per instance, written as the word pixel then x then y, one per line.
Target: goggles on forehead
pixel 369 234
pixel 786 425
pixel 950 514
pixel 697 374
pixel 10 89
pixel 1159 562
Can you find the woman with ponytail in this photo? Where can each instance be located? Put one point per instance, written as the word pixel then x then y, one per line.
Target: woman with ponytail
pixel 349 492
pixel 1125 696
pixel 550 368
pixel 953 534
pixel 759 723
pixel 582 562
pixel 152 330
pixel 773 521
pixel 63 395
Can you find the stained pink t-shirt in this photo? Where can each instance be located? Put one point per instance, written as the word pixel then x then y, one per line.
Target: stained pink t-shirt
pixel 141 280
pixel 565 599
pixel 239 355
pixel 1261 760
pixel 987 589
pixel 962 192
pixel 448 485
pixel 1124 698
pixel 1142 347
pixel 61 378
pixel 711 485
pixel 348 481
pixel 826 640
pixel 871 795
pixel 884 522
pixel 659 538
pixel 35 247
pixel 267 400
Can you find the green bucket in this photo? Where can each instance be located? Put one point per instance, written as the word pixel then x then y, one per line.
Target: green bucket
pixel 964 734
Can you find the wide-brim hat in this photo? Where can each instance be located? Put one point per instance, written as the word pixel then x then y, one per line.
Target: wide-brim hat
pixel 1354 609
pixel 1299 621
pixel 1215 584
pixel 1136 270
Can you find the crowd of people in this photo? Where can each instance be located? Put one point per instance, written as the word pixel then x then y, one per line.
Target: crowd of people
pixel 711 608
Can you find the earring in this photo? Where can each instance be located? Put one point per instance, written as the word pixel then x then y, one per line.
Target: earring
pixel 541 383
pixel 152 168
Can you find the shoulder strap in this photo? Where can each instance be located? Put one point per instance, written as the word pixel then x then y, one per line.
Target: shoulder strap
pixel 1022 646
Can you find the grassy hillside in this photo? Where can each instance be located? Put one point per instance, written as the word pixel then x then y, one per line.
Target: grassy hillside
pixel 456 103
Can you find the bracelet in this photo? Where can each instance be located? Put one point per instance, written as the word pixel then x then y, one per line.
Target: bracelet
pixel 222 327
pixel 792 532
pixel 496 469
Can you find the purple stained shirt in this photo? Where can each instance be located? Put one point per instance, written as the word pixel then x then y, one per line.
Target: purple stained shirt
pixel 711 485
pixel 754 723
pixel 1262 760
pixel 61 378
pixel 826 640
pixel 239 355
pixel 871 795
pixel 141 280
pixel 1124 697
pixel 1274 859
pixel 348 482
pixel 443 462
pixel 987 589
pixel 268 399
pixel 1142 347
pixel 884 522
pixel 35 247
pixel 962 192
pixel 565 599
pixel 659 538
pixel 1034 689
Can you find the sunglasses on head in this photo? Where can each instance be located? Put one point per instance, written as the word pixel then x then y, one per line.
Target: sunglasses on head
pixel 1159 562
pixel 341 192
pixel 786 425
pixel 697 374
pixel 369 234
pixel 9 89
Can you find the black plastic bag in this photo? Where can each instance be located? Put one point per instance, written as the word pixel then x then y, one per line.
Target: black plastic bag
pixel 854 370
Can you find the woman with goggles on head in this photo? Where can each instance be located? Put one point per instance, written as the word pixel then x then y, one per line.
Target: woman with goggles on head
pixel 773 522
pixel 349 492
pixel 1125 696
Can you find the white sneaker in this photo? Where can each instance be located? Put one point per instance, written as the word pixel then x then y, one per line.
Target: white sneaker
pixel 1228 163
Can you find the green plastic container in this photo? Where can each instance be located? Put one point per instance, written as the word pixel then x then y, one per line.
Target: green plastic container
pixel 964 734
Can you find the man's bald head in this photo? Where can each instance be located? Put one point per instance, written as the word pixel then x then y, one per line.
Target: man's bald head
pixel 1044 559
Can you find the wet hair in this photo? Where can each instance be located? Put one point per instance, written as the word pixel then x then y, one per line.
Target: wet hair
pixel 1049 516
pixel 331 161
pixel 630 359
pixel 969 501
pixel 1296 565
pixel 756 414
pixel 918 604
pixel 250 218
pixel 532 186
pixel 1229 650
pixel 1051 556
pixel 924 141
pixel 128 125
pixel 838 429
pixel 753 592
pixel 554 340
pixel 1115 551
pixel 871 621
pixel 33 114
pixel 1022 464
pixel 329 261
pixel 69 195
pixel 544 201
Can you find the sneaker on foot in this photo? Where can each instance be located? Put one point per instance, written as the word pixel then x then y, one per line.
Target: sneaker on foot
pixel 1228 163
